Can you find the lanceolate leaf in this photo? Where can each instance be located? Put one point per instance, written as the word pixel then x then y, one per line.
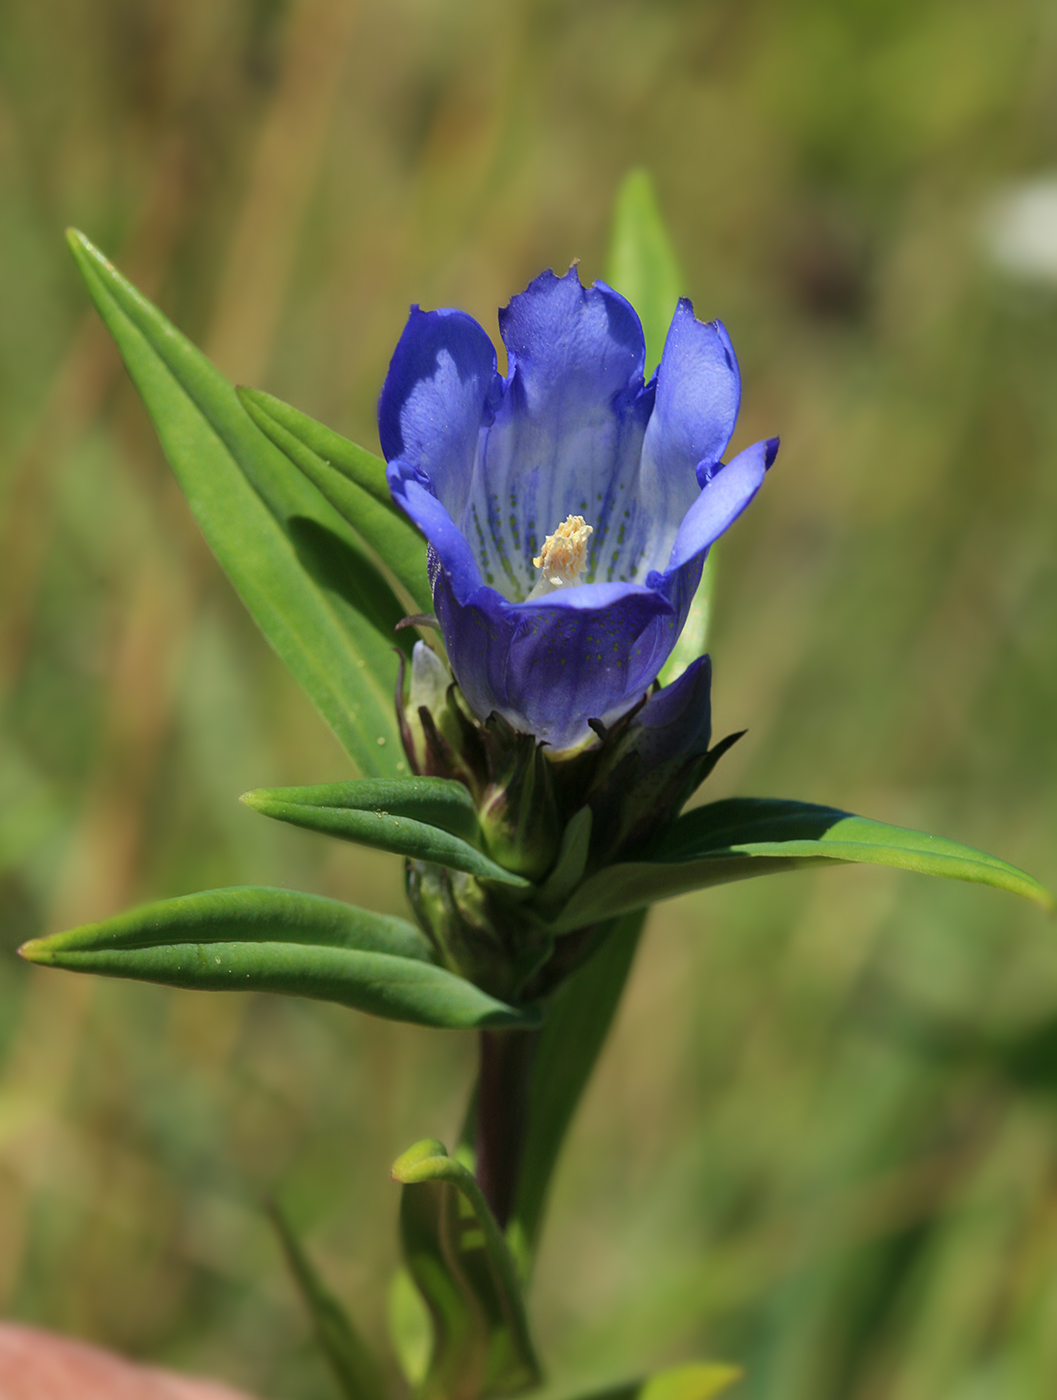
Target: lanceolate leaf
pixel 385 528
pixel 347 457
pixel 642 263
pixel 256 939
pixel 304 575
pixel 422 818
pixel 575 1029
pixel 643 267
pixel 460 1262
pixel 354 1366
pixel 744 837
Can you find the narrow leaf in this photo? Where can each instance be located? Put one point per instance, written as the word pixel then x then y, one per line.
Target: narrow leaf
pixel 413 817
pixel 304 575
pixel 351 1360
pixel 464 1270
pixel 257 939
pixel 642 263
pixel 744 837
pixel 577 1023
pixel 410 1327
pixel 354 462
pixel 386 529
pixel 643 267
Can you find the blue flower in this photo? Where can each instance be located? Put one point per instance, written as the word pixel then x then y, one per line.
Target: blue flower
pixel 568 507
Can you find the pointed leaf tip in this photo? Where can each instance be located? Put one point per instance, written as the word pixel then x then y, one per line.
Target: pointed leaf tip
pixel 306 576
pixel 35 950
pixel 742 837
pixel 258 939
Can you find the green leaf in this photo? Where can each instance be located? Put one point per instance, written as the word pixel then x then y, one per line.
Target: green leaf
pixel 348 479
pixel 304 575
pixel 351 1360
pixel 577 1023
pixel 355 463
pixel 460 1262
pixel 423 818
pixel 256 939
pixel 700 1380
pixel 642 263
pixel 744 837
pixel 410 1327
pixel 644 268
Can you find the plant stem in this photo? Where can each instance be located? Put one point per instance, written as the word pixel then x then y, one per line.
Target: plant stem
pixel 502 1115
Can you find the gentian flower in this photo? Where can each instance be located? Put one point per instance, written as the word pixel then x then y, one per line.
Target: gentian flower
pixel 568 506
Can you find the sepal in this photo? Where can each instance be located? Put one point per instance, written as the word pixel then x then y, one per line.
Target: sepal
pixel 506 772
pixel 477 933
pixel 517 810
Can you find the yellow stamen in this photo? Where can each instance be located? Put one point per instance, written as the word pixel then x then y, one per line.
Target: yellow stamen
pixel 563 557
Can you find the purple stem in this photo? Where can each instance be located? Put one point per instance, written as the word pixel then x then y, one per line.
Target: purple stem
pixel 502 1114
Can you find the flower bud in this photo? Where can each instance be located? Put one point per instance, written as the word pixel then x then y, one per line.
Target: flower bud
pixel 651 763
pixel 440 737
pixel 517 810
pixel 476 934
pixel 507 772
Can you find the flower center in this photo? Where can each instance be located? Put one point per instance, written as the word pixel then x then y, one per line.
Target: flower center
pixel 563 557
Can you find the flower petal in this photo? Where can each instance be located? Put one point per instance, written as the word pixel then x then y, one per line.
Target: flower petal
pixel 697 394
pixel 676 722
pixel 441 389
pixel 728 492
pixel 549 667
pixel 567 436
pixel 447 541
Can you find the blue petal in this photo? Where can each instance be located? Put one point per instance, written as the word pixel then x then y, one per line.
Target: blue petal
pixel 720 503
pixel 547 667
pixel 676 722
pixel 440 391
pixel 567 436
pixel 414 496
pixel 697 394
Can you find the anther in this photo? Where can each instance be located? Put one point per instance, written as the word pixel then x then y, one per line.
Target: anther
pixel 563 557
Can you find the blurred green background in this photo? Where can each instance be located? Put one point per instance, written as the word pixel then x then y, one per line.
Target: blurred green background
pixel 823 1140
